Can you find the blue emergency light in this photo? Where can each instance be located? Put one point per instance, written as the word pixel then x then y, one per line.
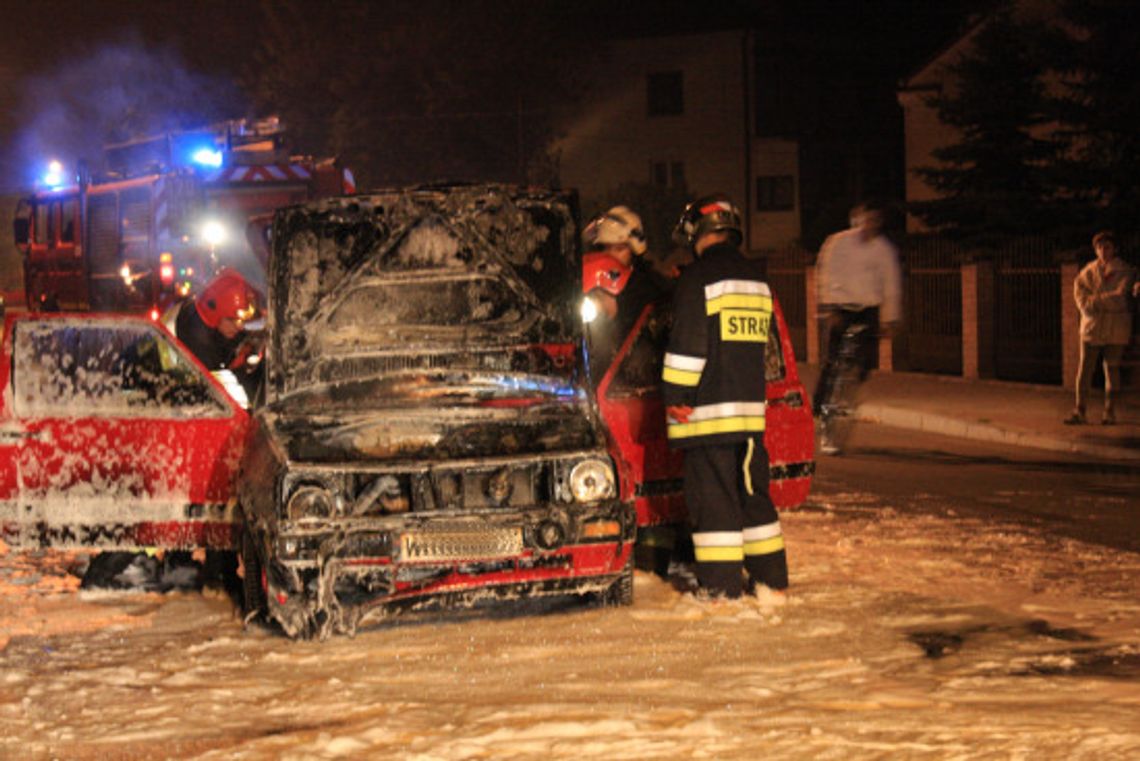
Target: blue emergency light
pixel 53 177
pixel 208 157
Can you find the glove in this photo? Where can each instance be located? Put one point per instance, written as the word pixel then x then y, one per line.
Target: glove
pixel 679 412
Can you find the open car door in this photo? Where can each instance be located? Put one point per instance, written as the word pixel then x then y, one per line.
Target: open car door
pixel 629 397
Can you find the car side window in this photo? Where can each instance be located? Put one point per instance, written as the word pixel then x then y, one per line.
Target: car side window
pixel 640 370
pixel 89 369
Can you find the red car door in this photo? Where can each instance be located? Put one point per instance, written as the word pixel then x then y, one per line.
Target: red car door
pixel 629 399
pixel 118 437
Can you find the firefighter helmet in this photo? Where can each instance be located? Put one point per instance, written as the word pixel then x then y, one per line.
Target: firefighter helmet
pixel 617 226
pixel 715 213
pixel 600 270
pixel 227 295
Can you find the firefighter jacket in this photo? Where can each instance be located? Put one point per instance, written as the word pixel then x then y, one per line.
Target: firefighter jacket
pixel 722 311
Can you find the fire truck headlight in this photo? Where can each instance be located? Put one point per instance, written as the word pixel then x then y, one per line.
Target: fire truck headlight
pixel 214 233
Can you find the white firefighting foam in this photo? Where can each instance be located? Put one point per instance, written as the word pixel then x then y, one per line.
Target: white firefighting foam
pixel 903 637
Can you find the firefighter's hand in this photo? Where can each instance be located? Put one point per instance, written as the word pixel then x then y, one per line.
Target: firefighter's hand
pixel 249 352
pixel 679 412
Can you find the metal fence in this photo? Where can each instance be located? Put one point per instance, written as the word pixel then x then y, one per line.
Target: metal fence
pixel 1027 311
pixel 786 277
pixel 932 305
pixel 1026 307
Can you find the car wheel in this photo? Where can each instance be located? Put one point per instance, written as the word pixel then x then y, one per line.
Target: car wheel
pixel 253 578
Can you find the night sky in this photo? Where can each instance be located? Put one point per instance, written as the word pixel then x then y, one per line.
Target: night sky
pixel 833 63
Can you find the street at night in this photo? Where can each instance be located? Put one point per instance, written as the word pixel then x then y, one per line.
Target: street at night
pixel 564 379
pixel 948 600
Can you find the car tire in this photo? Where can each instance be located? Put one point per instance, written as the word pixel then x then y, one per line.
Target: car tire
pixel 253 579
pixel 620 592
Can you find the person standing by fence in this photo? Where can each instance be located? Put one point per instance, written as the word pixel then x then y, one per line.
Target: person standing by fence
pixel 1102 291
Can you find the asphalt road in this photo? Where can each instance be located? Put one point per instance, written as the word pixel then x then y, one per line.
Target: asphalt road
pixel 1063 495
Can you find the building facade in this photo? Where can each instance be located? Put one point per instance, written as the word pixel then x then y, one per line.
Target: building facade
pixel 678 112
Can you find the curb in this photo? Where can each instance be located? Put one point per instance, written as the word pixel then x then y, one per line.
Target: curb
pixel 946 426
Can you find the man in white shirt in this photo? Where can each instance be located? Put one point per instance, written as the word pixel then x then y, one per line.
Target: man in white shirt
pixel 859 282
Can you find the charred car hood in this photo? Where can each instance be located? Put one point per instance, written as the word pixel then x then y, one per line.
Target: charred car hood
pixel 432 417
pixel 457 276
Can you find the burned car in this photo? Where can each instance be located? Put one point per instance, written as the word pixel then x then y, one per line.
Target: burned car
pixel 427 439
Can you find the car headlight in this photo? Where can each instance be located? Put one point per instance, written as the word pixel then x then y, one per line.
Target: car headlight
pixel 591 480
pixel 310 502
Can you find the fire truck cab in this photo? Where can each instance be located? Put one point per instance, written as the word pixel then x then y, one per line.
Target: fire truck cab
pixel 163 216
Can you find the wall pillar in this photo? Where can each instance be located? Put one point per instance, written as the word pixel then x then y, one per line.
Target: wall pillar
pixel 1070 326
pixel 978 320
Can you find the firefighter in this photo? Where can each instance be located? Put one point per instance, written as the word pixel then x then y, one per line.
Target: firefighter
pixel 619 234
pixel 713 388
pixel 213 327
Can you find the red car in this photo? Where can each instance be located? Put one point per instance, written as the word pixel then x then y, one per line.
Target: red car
pixel 112 435
pixel 630 401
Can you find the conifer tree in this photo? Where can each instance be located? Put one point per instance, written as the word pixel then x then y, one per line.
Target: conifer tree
pixel 1101 110
pixel 997 180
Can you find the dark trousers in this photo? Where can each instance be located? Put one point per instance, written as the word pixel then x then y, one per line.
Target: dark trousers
pixel 837 323
pixel 735 526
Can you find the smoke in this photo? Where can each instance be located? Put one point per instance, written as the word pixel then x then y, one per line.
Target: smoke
pixel 121 91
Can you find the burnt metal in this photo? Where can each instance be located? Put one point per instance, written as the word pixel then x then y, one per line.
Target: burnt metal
pixel 423 366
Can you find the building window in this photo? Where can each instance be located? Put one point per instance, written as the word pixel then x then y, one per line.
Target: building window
pixel 776 193
pixel 667 174
pixel 666 93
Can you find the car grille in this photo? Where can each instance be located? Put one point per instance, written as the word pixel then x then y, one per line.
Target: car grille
pixel 460 543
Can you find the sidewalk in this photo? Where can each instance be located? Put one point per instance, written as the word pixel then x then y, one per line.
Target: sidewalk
pixel 1015 414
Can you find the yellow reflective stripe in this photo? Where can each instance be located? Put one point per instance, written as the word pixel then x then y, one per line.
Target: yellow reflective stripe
pixel 738 301
pixel 764 546
pixel 680 377
pixel 748 466
pixel 738 424
pixel 719 554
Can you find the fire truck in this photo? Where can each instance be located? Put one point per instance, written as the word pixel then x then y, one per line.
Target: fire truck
pixel 166 212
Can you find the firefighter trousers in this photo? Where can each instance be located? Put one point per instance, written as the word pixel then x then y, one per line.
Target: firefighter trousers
pixel 735 526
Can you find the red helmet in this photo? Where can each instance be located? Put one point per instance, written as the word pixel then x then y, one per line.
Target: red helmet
pixel 600 270
pixel 227 295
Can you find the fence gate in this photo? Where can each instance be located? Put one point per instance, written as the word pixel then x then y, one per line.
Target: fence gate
pixel 932 306
pixel 1027 314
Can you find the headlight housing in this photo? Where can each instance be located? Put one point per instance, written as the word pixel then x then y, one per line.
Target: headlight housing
pixel 591 480
pixel 310 501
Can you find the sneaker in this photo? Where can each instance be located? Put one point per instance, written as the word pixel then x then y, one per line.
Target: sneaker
pixel 1076 418
pixel 827 446
pixel 1108 419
